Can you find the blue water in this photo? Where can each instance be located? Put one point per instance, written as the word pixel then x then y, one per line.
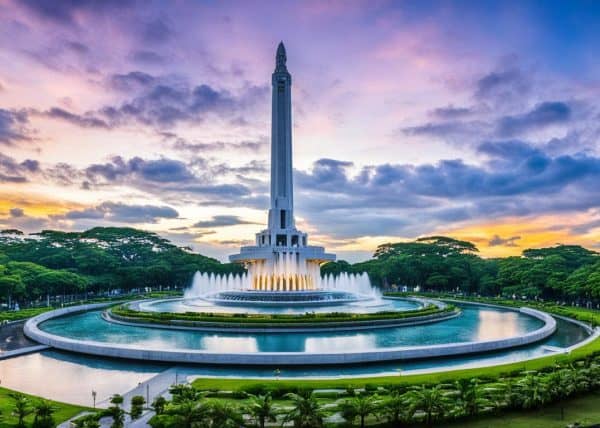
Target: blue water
pixel 474 324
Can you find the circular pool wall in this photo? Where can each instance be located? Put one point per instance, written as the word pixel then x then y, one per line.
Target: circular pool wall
pixel 149 351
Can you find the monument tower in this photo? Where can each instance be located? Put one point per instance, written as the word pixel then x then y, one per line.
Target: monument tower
pixel 282 260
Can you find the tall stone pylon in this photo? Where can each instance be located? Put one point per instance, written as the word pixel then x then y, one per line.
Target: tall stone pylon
pixel 282 260
pixel 281 213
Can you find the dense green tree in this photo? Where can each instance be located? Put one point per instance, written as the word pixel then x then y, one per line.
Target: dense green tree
pixel 158 405
pixel 137 406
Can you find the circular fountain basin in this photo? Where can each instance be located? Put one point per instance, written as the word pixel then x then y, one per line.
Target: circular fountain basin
pixel 284 298
pixel 368 304
pixel 474 332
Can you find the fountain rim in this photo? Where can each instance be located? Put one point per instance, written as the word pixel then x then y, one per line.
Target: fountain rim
pixel 135 352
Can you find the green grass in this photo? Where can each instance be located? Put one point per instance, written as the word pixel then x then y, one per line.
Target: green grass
pixel 585 410
pixel 32 312
pixel 128 314
pixel 63 411
pixel 590 316
pixel 592 348
pixel 22 314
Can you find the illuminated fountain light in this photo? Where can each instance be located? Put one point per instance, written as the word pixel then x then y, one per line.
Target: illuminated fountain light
pixel 287 276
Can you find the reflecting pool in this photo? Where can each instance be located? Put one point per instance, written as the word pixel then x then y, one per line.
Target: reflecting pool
pixel 71 377
pixel 476 323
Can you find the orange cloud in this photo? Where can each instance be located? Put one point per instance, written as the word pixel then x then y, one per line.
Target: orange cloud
pixel 543 231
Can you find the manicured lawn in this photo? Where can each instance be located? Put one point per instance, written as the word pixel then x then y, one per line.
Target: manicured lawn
pixel 585 410
pixel 22 314
pixel 31 312
pixel 483 372
pixel 63 411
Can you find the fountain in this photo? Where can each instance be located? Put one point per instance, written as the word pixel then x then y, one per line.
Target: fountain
pixel 242 289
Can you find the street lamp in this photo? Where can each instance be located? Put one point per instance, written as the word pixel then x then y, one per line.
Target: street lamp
pixel 94 398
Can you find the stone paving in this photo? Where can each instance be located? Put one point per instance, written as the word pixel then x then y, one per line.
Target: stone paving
pixel 12 337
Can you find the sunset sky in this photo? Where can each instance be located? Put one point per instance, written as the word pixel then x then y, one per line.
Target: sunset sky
pixel 478 120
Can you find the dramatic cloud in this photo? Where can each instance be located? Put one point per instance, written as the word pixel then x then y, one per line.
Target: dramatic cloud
pixel 451 112
pixel 64 12
pixel 16 212
pixel 507 242
pixel 160 170
pixel 502 85
pixel 518 180
pixel 157 31
pixel 131 81
pixel 125 101
pixel 122 213
pixel 13 126
pixel 252 146
pixel 12 171
pixel 85 121
pixel 446 129
pixel 221 221
pixel 542 115
pixel 163 104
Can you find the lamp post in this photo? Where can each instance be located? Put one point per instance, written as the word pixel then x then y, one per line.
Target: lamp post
pixel 94 398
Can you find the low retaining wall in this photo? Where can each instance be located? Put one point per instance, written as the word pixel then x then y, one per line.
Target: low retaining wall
pixel 191 356
pixel 281 328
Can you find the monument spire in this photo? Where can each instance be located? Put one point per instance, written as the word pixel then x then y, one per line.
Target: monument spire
pixel 280 58
pixel 281 214
pixel 282 260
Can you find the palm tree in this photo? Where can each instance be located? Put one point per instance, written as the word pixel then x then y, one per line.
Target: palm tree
pixel 118 416
pixel 184 392
pixel 470 396
pixel 116 399
pixel 261 408
pixel 361 407
pixel 43 411
pixel 534 391
pixel 433 401
pixel 187 414
pixel 306 411
pixel 224 415
pixel 22 408
pixel 396 408
pixel 159 404
pixel 137 406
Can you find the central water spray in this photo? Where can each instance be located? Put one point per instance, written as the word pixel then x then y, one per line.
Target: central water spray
pixel 208 285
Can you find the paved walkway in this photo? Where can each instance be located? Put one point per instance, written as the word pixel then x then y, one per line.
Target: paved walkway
pixel 12 337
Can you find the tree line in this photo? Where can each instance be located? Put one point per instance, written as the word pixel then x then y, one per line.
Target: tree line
pixel 99 260
pixel 107 259
pixel 441 264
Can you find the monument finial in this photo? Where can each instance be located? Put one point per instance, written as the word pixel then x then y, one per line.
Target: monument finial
pixel 281 57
